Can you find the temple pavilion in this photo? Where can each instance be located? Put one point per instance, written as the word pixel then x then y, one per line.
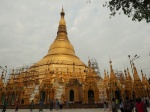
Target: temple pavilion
pixel 60 74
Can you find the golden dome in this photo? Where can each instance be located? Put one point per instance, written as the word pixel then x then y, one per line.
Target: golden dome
pixel 61 50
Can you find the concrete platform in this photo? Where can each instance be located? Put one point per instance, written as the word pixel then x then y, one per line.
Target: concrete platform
pixel 63 110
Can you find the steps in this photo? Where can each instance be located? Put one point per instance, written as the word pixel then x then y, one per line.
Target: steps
pixel 35 91
pixel 59 92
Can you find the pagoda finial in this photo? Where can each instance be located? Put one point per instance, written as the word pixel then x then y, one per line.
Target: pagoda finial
pixel 107 75
pixel 62 12
pixel 142 72
pixel 62 24
pixel 89 63
pixel 125 72
pixel 110 65
pixel 62 21
pixel 104 72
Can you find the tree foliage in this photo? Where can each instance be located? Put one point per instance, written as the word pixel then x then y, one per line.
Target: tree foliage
pixel 137 9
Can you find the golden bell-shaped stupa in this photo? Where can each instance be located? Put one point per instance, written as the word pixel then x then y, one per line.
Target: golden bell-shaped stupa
pixel 61 55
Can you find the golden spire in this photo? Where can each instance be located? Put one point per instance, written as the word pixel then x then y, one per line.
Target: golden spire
pixel 128 81
pixel 112 74
pixel 110 65
pixel 129 77
pixel 125 72
pixel 104 74
pixel 105 77
pixel 135 74
pixel 146 80
pixel 62 21
pixel 89 64
pixel 143 78
pixel 62 45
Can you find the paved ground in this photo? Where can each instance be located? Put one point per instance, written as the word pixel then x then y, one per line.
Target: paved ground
pixel 64 110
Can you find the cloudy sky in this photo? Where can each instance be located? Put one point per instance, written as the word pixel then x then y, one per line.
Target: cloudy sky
pixel 28 28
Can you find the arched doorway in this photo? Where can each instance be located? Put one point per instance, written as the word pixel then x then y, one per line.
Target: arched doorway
pixel 117 94
pixel 71 95
pixel 43 95
pixel 91 96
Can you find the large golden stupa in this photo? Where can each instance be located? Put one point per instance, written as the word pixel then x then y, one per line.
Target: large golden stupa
pixel 61 56
pixel 62 75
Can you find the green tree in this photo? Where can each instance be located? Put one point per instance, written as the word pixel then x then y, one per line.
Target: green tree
pixel 136 9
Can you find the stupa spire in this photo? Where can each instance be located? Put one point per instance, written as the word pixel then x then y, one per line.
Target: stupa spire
pixel 62 24
pixel 62 21
pixel 112 74
pixel 129 76
pixel 143 78
pixel 136 77
pixel 61 45
pixel 105 77
pixel 125 72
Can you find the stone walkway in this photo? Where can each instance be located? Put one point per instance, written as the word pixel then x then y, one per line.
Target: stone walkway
pixel 64 110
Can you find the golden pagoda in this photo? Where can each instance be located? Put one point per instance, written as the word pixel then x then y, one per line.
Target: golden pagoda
pixel 59 66
pixel 60 74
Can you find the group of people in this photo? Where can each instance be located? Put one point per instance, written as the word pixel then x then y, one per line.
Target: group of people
pixel 128 105
pixel 53 104
pixel 16 104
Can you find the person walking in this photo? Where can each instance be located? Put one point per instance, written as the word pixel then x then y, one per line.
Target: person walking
pixel 41 106
pixel 105 106
pixel 67 104
pixel 109 106
pixel 16 106
pixel 140 106
pixel 61 104
pixel 114 106
pixel 51 105
pixel 117 103
pixel 31 105
pixel 4 106
pixel 121 105
pixel 56 104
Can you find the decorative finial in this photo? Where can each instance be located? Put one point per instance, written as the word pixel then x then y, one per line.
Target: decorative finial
pixel 111 65
pixel 124 71
pixel 142 73
pixel 107 73
pixel 133 64
pixel 127 69
pixel 110 61
pixel 89 63
pixel 62 12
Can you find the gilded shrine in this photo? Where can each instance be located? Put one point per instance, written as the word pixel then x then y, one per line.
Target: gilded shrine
pixel 60 74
